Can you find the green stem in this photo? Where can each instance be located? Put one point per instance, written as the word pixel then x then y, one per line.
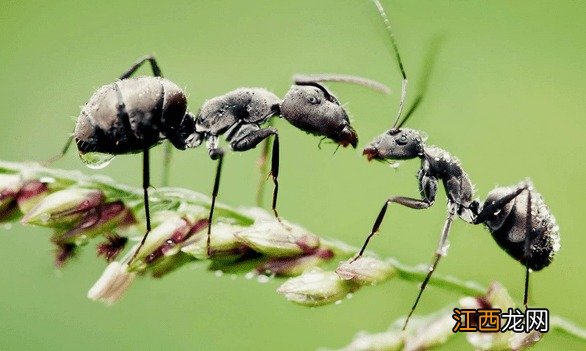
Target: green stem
pixel 468 288
pixel 414 274
pixel 567 327
pixel 171 198
pixel 167 198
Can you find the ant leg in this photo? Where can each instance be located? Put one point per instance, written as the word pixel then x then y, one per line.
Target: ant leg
pixel 262 165
pixel 61 154
pixel 427 188
pixel 528 225
pixel 275 174
pixel 145 188
pixel 215 154
pixel 439 252
pixel 248 137
pixel 157 73
pixel 151 59
pixel 488 211
pixel 167 162
pixel 401 200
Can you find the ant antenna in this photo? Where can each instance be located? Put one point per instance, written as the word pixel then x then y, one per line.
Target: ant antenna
pixel 343 78
pixel 387 23
pixel 317 85
pixel 426 73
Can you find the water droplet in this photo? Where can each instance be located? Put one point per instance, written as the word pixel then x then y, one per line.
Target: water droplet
pixel 296 297
pixel 96 160
pixel 338 302
pixel 422 267
pixel 249 275
pixel 444 249
pixel 47 180
pixel 311 277
pixel 262 279
pixel 45 217
pixel 349 296
pixel 218 273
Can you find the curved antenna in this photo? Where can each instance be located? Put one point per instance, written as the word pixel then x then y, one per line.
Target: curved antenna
pixel 312 83
pixel 343 78
pixel 404 83
pixel 428 64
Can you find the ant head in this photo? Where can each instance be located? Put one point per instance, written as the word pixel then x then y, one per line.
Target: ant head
pixel 310 107
pixel 396 144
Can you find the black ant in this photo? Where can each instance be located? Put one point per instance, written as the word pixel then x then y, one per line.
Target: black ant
pixel 516 216
pixel 132 115
pixel 308 105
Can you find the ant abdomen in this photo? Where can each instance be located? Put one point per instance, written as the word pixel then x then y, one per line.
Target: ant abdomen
pixel 130 115
pixel 508 227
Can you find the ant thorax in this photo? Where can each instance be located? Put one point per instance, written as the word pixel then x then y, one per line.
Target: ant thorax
pixel 240 106
pixel 442 165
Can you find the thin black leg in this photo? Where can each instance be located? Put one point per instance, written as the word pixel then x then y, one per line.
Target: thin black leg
pixel 145 188
pixel 157 73
pixel 275 174
pixel 262 166
pixel 528 226
pixel 439 252
pixel 401 200
pixel 61 154
pixel 248 137
pixel 214 196
pixel 489 210
pixel 151 59
pixel 526 293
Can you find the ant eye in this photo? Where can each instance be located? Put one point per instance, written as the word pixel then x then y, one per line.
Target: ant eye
pixel 313 100
pixel 402 140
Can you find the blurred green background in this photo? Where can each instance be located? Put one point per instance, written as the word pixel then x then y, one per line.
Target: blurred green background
pixel 506 97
